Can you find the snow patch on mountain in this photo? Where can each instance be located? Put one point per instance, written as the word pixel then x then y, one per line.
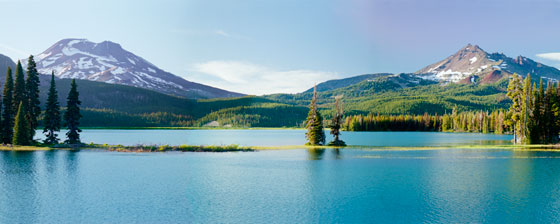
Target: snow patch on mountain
pixel 109 62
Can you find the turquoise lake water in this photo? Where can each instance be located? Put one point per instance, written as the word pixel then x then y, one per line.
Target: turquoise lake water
pixel 280 137
pixel 366 185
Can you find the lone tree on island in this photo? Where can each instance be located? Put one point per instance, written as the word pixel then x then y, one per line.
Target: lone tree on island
pixel 72 115
pixel 337 123
pixel 314 123
pixel 52 115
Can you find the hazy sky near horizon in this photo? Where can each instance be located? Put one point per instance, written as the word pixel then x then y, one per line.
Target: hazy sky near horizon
pixel 261 47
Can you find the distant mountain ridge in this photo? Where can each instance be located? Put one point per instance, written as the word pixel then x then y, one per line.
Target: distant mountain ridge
pixel 339 83
pixel 108 62
pixel 5 62
pixel 469 65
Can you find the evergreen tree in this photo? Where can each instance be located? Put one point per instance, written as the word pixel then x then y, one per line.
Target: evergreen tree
pixel 337 123
pixel 515 94
pixel 72 115
pixel 500 122
pixel 52 115
pixel 539 114
pixel 21 130
pixel 551 118
pixel 314 123
pixel 7 109
pixel 19 88
pixel 32 86
pixel 527 109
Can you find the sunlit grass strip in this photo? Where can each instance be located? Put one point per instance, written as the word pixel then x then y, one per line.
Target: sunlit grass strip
pixel 23 148
pixel 238 148
pixel 180 148
pixel 288 147
pixel 419 148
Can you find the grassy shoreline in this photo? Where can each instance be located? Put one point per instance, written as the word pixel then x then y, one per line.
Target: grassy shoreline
pixel 238 148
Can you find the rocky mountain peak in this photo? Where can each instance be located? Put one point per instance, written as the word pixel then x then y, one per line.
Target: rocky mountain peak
pixel 471 64
pixel 469 60
pixel 109 62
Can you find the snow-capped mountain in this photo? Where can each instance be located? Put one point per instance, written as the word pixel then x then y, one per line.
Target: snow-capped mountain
pixel 471 64
pixel 109 62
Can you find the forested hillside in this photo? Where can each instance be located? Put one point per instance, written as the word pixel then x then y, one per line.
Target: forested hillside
pixel 111 105
pixel 387 98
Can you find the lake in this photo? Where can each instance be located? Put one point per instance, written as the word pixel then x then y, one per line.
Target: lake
pixel 279 137
pixel 352 185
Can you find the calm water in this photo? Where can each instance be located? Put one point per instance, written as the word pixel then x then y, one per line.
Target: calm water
pixel 280 137
pixel 282 186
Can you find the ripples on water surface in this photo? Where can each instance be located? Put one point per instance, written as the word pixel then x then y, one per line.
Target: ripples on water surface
pixel 285 186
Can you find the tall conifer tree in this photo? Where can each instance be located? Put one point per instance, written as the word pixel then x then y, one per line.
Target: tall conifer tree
pixel 32 87
pixel 72 115
pixel 7 109
pixel 314 123
pixel 52 115
pixel 337 123
pixel 527 101
pixel 19 88
pixel 515 92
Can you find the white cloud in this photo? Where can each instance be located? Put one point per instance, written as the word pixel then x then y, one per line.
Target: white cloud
pixel 230 35
pixel 222 33
pixel 255 79
pixel 550 56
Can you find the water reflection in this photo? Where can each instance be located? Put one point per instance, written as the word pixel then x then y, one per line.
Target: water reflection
pixel 315 153
pixel 19 193
pixel 337 153
pixel 453 185
pixel 31 181
pixel 71 162
pixel 319 153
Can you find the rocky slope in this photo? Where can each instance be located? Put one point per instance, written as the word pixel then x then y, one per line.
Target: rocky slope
pixel 471 64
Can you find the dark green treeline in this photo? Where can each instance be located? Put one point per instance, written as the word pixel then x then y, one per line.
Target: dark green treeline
pixel 21 111
pixel 535 112
pixel 480 121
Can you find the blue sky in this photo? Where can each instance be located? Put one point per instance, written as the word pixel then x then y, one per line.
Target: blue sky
pixel 258 46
